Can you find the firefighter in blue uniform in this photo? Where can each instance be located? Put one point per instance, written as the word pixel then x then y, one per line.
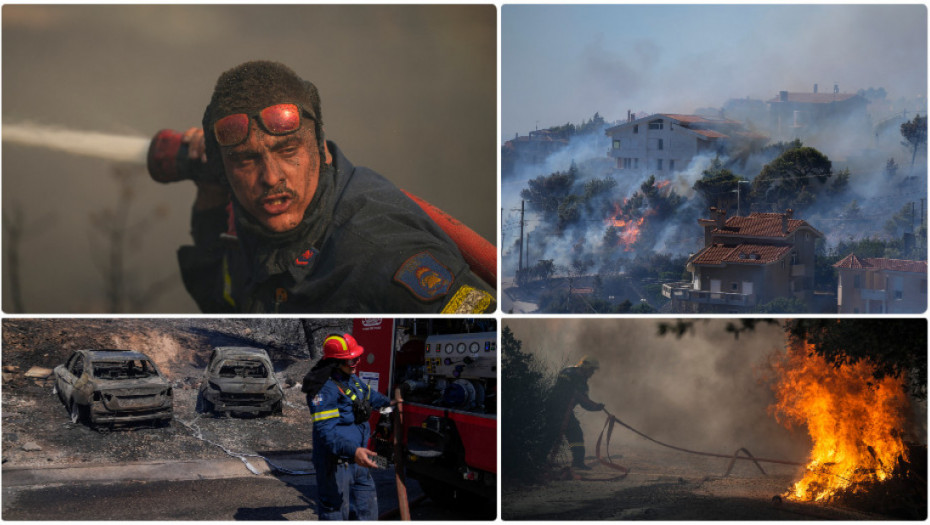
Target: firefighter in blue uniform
pixel 340 405
pixel 570 390
pixel 307 232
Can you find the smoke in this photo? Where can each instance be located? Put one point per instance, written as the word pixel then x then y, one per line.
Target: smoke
pixel 704 391
pixel 118 148
pixel 610 59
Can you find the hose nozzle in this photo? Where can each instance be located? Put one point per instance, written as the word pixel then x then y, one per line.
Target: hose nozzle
pixel 167 160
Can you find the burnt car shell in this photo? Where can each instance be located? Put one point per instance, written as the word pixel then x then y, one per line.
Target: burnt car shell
pixel 113 386
pixel 241 380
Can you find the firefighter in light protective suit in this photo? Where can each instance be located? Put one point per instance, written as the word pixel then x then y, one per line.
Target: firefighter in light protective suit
pixel 341 404
pixel 571 389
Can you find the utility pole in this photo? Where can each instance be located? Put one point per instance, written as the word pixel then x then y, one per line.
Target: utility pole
pixel 529 262
pixel 522 209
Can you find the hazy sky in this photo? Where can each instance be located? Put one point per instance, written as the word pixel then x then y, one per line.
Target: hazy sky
pixel 563 63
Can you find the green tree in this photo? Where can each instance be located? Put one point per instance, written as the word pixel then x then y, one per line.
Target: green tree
pixel 793 180
pixel 524 434
pixel 891 168
pixel 718 186
pixel 915 135
pixel 544 194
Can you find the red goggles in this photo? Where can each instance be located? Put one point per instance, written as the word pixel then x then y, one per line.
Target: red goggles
pixel 279 119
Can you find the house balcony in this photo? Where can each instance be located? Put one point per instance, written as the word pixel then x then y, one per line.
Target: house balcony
pixel 684 292
pixel 677 291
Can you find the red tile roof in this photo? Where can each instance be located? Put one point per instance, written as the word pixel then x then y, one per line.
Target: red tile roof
pixel 710 133
pixel 762 225
pixel 698 119
pixel 816 98
pixel 740 254
pixel 851 262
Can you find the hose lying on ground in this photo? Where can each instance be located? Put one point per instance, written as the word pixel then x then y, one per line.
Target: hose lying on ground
pixel 608 430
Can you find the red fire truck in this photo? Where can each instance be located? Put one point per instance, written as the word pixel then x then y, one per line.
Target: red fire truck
pixel 447 373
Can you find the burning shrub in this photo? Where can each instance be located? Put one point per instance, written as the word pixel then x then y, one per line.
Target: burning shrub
pixel 855 421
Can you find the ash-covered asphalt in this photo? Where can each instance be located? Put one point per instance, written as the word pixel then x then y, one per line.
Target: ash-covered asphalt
pixel 669 486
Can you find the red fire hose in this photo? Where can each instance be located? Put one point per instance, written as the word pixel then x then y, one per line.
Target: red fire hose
pixel 612 419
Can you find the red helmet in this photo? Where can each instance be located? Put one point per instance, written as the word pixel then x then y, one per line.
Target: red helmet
pixel 341 347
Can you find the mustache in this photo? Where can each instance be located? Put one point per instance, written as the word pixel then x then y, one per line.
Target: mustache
pixel 279 189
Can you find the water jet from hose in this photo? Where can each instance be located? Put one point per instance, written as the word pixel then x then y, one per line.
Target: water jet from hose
pixel 117 148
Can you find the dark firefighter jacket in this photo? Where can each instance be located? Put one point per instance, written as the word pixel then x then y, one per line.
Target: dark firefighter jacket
pixel 335 432
pixel 571 389
pixel 363 247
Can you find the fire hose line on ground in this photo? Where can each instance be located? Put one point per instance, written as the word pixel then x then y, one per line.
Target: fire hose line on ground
pixel 198 433
pixel 607 431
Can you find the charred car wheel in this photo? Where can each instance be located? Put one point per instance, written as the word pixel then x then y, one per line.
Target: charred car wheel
pixel 78 413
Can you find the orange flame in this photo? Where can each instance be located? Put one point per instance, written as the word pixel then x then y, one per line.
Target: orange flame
pixel 628 228
pixel 853 419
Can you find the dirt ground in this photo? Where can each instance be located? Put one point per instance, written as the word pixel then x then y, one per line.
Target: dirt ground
pixel 36 427
pixel 666 485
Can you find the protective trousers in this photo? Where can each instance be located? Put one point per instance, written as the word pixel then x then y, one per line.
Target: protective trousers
pixel 346 491
pixel 575 438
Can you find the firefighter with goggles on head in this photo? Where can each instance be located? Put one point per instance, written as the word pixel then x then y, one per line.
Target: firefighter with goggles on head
pixel 284 223
pixel 341 406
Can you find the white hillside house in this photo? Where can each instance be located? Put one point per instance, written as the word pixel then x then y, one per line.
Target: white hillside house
pixel 665 142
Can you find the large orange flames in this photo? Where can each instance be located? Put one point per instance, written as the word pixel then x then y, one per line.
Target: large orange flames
pixel 628 228
pixel 854 421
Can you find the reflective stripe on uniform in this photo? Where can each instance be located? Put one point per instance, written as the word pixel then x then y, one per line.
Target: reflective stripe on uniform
pixel 227 283
pixel 326 414
pixel 468 300
pixel 575 445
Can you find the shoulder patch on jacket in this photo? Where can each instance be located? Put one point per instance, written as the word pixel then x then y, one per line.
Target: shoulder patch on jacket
pixel 468 300
pixel 425 277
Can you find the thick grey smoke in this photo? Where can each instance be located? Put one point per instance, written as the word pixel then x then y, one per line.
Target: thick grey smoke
pixel 704 391
pixel 600 58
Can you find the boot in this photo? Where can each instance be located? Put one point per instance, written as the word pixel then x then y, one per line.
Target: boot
pixel 578 459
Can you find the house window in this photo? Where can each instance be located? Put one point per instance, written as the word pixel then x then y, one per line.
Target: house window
pixel 656 124
pixel 636 128
pixel 616 144
pixel 661 144
pixel 635 164
pixel 659 164
pixel 734 286
pixel 671 164
pixel 857 282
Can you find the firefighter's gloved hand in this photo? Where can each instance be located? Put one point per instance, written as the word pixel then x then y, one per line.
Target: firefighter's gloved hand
pixel 196 145
pixel 361 457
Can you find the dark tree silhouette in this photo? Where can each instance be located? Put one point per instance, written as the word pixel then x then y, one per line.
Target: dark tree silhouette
pixel 915 135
